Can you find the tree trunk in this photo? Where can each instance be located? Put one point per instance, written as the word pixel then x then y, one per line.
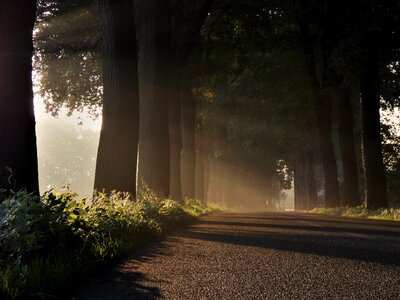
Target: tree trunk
pixel 305 185
pixel 188 114
pixel 175 133
pixel 267 175
pixel 199 178
pixel 118 147
pixel 323 105
pixel 154 35
pixel 17 120
pixel 375 180
pixel 350 196
pixel 187 20
pixel 207 175
pixel 300 191
pixel 311 188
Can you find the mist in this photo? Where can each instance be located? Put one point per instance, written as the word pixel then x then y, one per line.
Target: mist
pixel 67 150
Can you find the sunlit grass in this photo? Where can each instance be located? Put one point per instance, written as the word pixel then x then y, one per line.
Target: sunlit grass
pixel 360 212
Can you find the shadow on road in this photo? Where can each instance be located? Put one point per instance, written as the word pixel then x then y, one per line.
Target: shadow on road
pixel 341 242
pixel 335 229
pixel 319 236
pixel 124 282
pixel 295 216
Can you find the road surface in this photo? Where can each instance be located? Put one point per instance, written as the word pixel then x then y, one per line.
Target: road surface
pixel 262 256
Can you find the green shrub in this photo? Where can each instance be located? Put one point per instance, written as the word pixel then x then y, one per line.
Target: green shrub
pixel 195 208
pixel 48 242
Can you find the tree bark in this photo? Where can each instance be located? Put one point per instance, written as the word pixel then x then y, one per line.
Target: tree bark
pixel 267 176
pixel 188 166
pixel 118 147
pixel 175 132
pixel 153 21
pixel 18 149
pixel 323 107
pixel 305 190
pixel 311 187
pixel 300 191
pixel 199 178
pixel 375 177
pixel 350 196
pixel 322 103
pixel 207 173
pixel 165 40
pixel 187 19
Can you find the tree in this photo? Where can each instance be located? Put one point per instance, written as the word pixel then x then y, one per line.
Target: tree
pixel 117 154
pixel 342 95
pixel 154 35
pixel 364 54
pixel 251 84
pixel 315 39
pixel 188 18
pixel 17 121
pixel 305 193
pixel 188 161
pixel 375 182
pixel 68 56
pixel 166 32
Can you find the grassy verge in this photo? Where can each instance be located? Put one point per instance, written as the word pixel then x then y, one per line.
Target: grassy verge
pixel 50 244
pixel 360 212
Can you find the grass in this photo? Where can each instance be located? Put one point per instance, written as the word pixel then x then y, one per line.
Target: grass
pixel 391 214
pixel 52 243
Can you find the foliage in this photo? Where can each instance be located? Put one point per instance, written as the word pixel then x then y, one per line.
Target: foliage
pixel 47 241
pixel 67 58
pixel 255 102
pixel 360 212
pixel 195 208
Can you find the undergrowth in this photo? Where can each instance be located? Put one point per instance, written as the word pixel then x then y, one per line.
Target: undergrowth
pixel 361 212
pixel 50 243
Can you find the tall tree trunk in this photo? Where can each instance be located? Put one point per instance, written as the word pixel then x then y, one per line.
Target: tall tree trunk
pixel 199 178
pixel 300 191
pixel 305 185
pixel 164 41
pixel 153 21
pixel 187 20
pixel 316 57
pixel 311 188
pixel 356 104
pixel 375 178
pixel 17 120
pixel 118 147
pixel 207 171
pixel 188 114
pixel 266 174
pixel 175 133
pixel 212 190
pixel 323 107
pixel 350 195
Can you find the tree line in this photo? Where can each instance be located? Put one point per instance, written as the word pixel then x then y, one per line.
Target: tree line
pixel 213 100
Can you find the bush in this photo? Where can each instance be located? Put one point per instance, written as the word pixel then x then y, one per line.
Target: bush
pixel 48 241
pixel 195 208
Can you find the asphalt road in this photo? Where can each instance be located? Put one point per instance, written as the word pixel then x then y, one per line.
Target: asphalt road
pixel 262 256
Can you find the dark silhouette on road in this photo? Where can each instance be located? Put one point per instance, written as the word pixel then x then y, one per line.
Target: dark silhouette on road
pixel 262 256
